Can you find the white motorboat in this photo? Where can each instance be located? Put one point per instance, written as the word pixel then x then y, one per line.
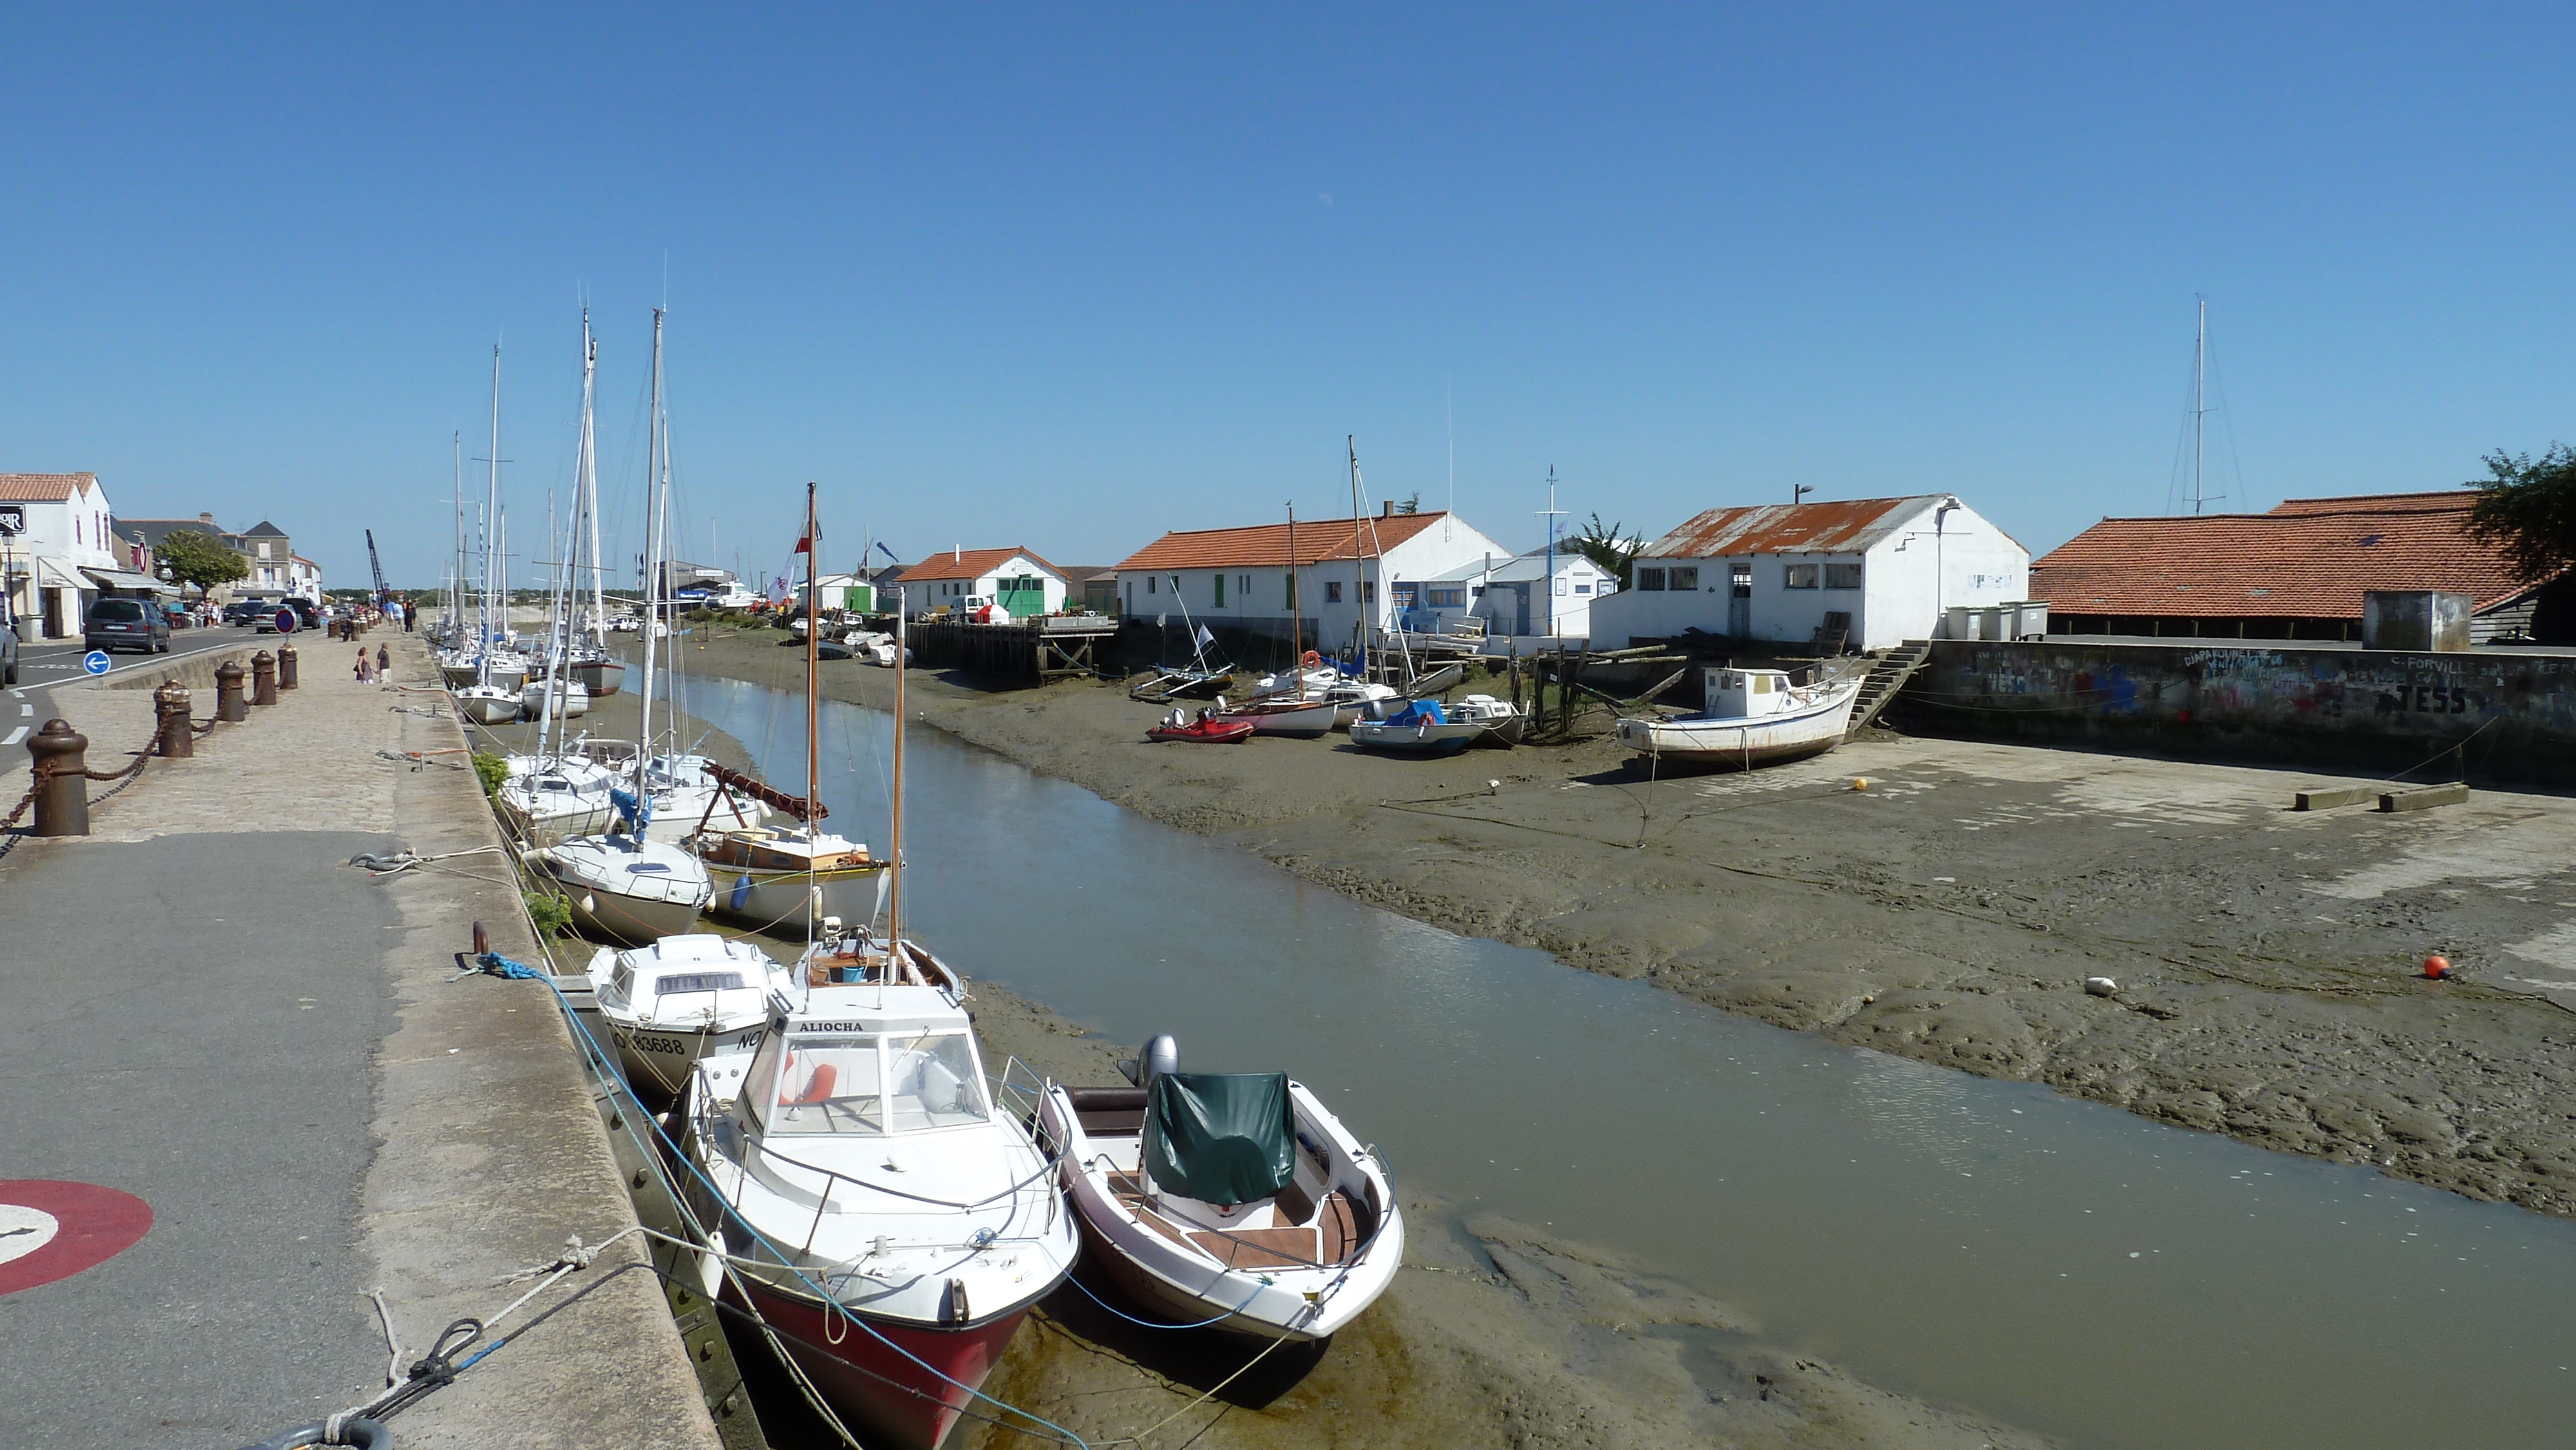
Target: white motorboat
pixel 900 1224
pixel 626 889
pixel 1352 698
pixel 489 704
pixel 1232 1200
pixel 561 796
pixel 1752 717
pixel 567 697
pixel 1503 723
pixel 1418 727
pixel 683 997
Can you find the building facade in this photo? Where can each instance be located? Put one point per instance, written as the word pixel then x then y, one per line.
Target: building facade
pixel 1528 597
pixel 1342 575
pixel 273 569
pixel 1017 580
pixel 1866 574
pixel 59 552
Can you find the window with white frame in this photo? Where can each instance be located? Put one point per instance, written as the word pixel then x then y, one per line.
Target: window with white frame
pixel 1842 576
pixel 1650 580
pixel 1686 579
pixel 1332 591
pixel 1798 576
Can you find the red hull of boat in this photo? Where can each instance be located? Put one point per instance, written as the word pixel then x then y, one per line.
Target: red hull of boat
pixel 1223 733
pixel 875 1388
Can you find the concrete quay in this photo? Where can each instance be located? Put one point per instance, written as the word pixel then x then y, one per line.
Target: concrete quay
pixel 210 1011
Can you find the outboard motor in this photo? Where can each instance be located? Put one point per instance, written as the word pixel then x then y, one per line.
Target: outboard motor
pixel 1161 1055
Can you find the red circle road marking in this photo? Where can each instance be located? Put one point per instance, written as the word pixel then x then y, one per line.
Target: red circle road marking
pixel 97 1224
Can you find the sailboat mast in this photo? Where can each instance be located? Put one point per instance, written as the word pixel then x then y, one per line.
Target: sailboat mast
pixel 456 586
pixel 2199 403
pixel 1296 624
pixel 894 860
pixel 588 502
pixel 1359 570
pixel 491 515
pixel 813 655
pixel 653 470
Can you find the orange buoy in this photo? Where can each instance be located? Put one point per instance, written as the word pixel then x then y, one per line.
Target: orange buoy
pixel 2437 968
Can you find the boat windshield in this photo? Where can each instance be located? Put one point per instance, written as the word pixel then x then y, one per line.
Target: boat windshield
pixel 870 1083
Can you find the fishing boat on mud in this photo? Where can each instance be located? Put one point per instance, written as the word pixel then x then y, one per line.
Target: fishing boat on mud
pixel 1234 1201
pixel 1419 727
pixel 1752 717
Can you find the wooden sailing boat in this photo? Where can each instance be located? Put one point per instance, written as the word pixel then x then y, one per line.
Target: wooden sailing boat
pixel 787 879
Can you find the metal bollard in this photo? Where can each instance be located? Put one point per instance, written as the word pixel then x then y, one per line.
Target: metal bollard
pixel 286 667
pixel 229 704
pixel 176 739
pixel 62 791
pixel 263 678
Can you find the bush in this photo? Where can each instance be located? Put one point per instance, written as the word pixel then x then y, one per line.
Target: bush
pixel 552 914
pixel 491 770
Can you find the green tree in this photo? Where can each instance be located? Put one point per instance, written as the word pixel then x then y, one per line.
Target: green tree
pixel 1411 505
pixel 2528 508
pixel 1609 551
pixel 200 559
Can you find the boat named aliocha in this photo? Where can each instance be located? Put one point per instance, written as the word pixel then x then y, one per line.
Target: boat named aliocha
pixel 1752 717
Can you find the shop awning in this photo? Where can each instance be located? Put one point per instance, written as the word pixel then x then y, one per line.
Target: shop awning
pixel 53 573
pixel 129 581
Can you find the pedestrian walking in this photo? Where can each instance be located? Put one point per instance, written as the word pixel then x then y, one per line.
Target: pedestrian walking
pixel 366 667
pixel 411 615
pixel 384 661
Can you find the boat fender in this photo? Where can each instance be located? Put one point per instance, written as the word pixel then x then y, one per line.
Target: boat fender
pixel 1161 1055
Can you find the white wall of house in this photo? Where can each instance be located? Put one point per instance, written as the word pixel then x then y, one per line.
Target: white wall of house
pixel 68 535
pixel 1333 596
pixel 1513 596
pixel 923 594
pixel 1894 591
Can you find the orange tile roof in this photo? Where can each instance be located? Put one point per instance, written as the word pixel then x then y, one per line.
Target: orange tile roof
pixel 44 487
pixel 1265 546
pixel 1847 527
pixel 971 564
pixel 2310 558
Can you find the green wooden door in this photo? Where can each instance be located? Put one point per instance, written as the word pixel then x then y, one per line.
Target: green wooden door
pixel 1023 595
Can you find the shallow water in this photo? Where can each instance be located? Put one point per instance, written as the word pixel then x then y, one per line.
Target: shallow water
pixel 2056 1264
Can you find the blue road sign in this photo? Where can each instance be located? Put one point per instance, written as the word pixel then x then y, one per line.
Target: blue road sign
pixel 285 621
pixel 95 662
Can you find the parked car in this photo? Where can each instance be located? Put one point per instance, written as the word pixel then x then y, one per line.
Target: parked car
pixel 118 623
pixel 242 613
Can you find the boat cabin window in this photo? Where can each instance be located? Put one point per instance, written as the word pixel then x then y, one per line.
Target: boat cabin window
pixel 622 981
pixel 866 1083
pixel 678 982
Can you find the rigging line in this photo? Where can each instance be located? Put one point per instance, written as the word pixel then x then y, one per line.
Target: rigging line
pixel 2227 421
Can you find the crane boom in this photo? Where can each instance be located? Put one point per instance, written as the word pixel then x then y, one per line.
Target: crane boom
pixel 377 566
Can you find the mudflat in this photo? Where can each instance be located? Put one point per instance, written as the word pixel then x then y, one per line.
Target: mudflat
pixel 1942 900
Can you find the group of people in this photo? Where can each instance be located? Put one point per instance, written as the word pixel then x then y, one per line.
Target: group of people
pixel 372 668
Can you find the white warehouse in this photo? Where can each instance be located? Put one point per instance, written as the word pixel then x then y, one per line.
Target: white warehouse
pixel 1240 578
pixel 1876 572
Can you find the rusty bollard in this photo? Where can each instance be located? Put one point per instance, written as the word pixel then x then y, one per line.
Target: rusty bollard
pixel 229 704
pixel 60 758
pixel 286 667
pixel 177 739
pixel 263 678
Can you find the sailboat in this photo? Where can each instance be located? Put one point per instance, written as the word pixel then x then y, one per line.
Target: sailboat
pixel 877 1205
pixel 598 672
pixel 624 885
pixel 790 880
pixel 493 697
pixel 1292 715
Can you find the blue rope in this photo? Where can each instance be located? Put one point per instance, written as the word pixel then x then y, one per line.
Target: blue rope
pixel 501 966
pixel 1150 1324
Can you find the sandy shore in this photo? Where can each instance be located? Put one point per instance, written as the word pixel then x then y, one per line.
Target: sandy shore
pixel 1950 911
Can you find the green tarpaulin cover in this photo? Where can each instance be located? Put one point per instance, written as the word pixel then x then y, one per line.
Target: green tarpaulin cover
pixel 1221 1137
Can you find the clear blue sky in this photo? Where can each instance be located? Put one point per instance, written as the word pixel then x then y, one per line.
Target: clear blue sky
pixel 1071 276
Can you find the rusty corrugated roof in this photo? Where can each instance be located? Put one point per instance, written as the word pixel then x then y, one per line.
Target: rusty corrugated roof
pixel 2309 558
pixel 1847 527
pixel 971 564
pixel 1265 546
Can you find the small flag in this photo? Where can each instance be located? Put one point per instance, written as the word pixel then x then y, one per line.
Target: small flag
pixel 778 590
pixel 1205 638
pixel 804 545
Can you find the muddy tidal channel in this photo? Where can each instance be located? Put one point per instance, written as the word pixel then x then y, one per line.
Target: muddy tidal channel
pixel 2058 1265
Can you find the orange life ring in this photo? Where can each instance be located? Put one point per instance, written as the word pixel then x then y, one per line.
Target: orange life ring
pixel 1311 660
